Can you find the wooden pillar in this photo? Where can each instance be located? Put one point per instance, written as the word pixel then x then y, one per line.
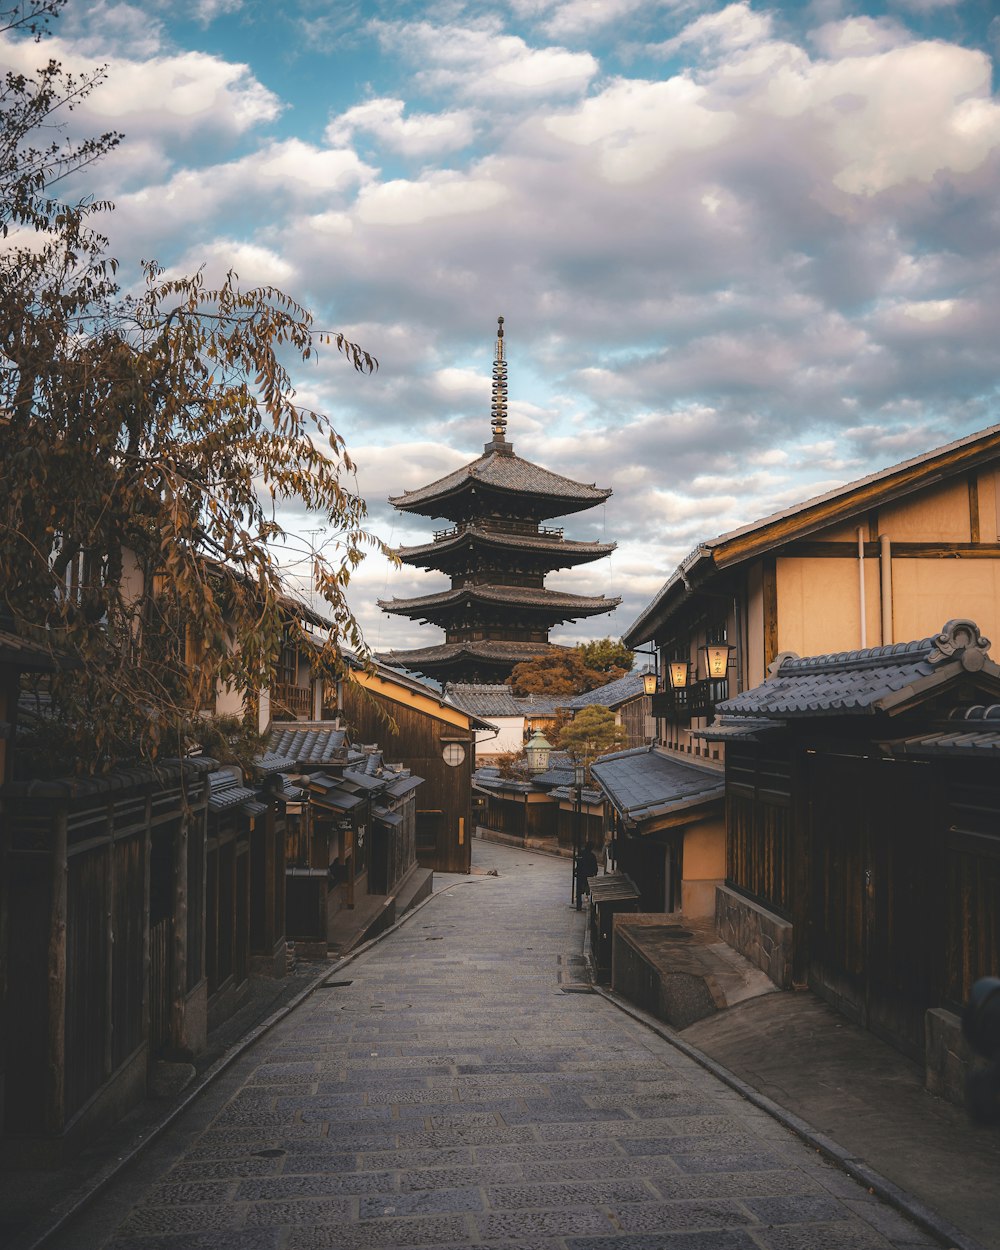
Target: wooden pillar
pixel 55 1094
pixel 179 969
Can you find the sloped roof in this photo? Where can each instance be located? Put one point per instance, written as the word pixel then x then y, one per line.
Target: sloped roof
pixel 308 742
pixel 812 515
pixel 497 652
pixel 973 731
pixel 643 783
pixel 498 467
pixel 877 679
pixel 569 551
pixel 484 700
pixel 548 602
pixel 612 695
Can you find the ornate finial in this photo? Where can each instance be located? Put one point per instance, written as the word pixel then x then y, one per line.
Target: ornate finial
pixel 498 409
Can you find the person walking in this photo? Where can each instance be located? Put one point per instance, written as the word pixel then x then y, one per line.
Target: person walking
pixel 586 867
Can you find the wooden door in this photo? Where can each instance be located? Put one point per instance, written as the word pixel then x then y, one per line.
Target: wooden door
pixel 873 914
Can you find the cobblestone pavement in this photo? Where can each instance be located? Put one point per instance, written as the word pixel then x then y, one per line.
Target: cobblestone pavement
pixel 445 1090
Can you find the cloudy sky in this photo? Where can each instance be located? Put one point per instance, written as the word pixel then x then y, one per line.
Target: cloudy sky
pixel 745 251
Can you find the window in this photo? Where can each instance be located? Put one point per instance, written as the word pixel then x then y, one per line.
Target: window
pixel 454 754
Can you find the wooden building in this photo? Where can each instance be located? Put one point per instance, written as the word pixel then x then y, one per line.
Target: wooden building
pixel 498 611
pixel 432 738
pixel 863 814
pixel 889 556
pixel 104 947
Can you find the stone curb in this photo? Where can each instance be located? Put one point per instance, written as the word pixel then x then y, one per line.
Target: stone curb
pixel 84 1195
pixel 921 1215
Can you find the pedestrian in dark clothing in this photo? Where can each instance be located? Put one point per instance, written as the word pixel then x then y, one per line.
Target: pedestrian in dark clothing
pixel 586 867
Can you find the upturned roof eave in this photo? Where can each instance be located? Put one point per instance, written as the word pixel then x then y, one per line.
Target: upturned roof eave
pixel 582 552
pixel 557 505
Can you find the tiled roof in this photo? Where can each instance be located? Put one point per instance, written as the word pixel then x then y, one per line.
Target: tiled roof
pixel 500 468
pixel 644 783
pixel 483 700
pixel 267 763
pixel 863 682
pixel 549 601
pixel 975 732
pixel 571 550
pixel 612 695
pixel 307 742
pixel 497 651
pixel 542 704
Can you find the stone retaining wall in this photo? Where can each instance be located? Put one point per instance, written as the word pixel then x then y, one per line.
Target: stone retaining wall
pixel 759 935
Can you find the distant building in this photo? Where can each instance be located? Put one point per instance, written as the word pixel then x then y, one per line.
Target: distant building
pixel 498 611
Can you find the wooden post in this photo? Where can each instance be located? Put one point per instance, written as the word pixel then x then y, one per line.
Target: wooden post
pixel 179 970
pixel 55 1101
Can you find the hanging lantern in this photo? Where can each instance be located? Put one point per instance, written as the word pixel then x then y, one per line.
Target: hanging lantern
pixel 649 683
pixel 717 657
pixel 678 674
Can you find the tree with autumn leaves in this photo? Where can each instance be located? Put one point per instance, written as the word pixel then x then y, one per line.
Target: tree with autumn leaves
pixel 572 670
pixel 147 442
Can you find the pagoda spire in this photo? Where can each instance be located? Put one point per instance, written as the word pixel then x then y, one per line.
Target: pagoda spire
pixel 498 408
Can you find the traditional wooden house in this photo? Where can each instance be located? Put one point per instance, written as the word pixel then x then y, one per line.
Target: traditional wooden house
pixel 863 812
pixel 350 826
pixel 103 947
pixel 667 827
pixel 498 611
pixel 497 705
pixel 435 740
pixel 539 807
pixel 888 556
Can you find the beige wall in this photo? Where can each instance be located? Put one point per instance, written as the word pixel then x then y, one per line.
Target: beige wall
pixel 819 607
pixel 510 738
pixel 936 514
pixel 989 507
pixel 927 593
pixel 704 866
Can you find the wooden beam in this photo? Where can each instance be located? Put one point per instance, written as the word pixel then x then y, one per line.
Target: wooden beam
pixel 974 507
pixel 807 550
pixel 770 597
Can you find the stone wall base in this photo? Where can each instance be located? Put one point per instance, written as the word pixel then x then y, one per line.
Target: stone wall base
pixel 948 1059
pixel 759 935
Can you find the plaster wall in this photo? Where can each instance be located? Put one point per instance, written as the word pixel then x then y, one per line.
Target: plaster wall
pixel 704 866
pixel 926 593
pixel 937 514
pixel 819 607
pixel 510 737
pixel 228 701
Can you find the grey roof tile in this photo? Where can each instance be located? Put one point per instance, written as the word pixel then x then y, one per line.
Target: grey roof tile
pixel 483 700
pixel 307 743
pixel 612 695
pixel 500 468
pixel 644 782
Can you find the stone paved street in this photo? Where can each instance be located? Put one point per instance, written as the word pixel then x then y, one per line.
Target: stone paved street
pixel 448 1092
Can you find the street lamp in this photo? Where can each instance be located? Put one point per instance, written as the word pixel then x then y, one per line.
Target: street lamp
pixel 649 683
pixel 537 752
pixel 678 670
pixel 579 777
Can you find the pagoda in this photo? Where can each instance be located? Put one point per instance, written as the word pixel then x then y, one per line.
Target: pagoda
pixel 498 611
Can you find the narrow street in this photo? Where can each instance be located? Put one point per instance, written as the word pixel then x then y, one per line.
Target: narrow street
pixel 446 1091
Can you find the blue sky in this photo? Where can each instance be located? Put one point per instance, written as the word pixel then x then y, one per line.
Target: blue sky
pixel 745 252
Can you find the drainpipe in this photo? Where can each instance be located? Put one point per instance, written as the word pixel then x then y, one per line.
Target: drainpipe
pixel 885 558
pixel 861 587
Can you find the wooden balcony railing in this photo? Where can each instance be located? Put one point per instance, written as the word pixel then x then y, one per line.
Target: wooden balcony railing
pixel 294 699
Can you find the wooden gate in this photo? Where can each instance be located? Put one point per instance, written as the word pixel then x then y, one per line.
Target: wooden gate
pixel 874 869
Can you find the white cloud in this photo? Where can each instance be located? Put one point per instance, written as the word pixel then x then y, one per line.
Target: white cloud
pixel 441 194
pixel 859 36
pixel 734 27
pixel 480 62
pixel 420 134
pixel 637 127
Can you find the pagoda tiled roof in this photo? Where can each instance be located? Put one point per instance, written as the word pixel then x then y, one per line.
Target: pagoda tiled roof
pixel 521 596
pixel 570 551
pixel 494 651
pixel 498 467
